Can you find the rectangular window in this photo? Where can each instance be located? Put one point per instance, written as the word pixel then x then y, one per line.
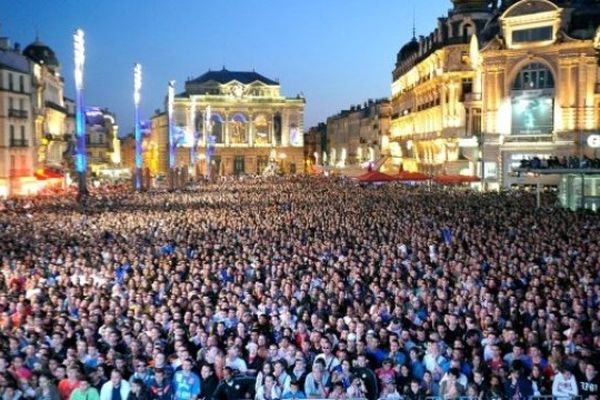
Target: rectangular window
pixel 21 83
pixel 238 165
pixel 476 128
pixel 532 35
pixel 11 82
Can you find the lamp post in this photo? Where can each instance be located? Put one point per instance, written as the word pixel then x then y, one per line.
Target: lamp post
pixel 139 160
pixel 81 151
pixel 172 144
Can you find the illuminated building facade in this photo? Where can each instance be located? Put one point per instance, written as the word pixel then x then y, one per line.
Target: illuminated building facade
pixel 250 124
pixel 50 112
pixel 354 135
pixel 497 83
pixel 315 145
pixel 17 163
pixel 102 139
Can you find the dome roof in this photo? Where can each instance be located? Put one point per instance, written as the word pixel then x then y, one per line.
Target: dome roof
pixel 408 49
pixel 41 54
pixel 470 5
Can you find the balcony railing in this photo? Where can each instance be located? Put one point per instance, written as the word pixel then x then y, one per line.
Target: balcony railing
pixel 472 97
pixel 14 113
pixel 19 143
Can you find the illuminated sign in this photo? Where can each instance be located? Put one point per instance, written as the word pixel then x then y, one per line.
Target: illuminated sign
pixel 593 141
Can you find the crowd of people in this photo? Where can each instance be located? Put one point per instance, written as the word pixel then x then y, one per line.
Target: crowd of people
pixel 554 162
pixel 293 288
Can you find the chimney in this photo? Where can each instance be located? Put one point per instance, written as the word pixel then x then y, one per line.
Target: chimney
pixel 18 47
pixel 4 43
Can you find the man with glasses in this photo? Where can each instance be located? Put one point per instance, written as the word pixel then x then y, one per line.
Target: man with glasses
pixel 329 359
pixel 142 372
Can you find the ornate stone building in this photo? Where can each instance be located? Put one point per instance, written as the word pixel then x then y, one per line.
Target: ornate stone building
pixel 354 135
pixel 497 83
pixel 51 137
pixel 250 123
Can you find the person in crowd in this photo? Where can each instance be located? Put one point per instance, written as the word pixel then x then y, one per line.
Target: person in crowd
pixel 564 384
pixel 67 385
pixel 294 392
pixel 160 388
pixel 589 382
pixel 116 388
pixel 357 389
pixel 186 384
pixel 46 390
pixel 85 391
pixel 269 389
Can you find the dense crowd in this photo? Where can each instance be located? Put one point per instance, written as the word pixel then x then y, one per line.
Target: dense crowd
pixel 554 162
pixel 297 288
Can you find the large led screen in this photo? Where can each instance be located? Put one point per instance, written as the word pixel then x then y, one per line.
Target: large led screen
pixel 532 115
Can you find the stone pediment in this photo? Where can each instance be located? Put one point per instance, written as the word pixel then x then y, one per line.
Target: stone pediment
pixel 528 7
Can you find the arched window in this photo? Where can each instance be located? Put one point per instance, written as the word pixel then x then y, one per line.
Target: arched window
pixel 261 127
pixel 534 76
pixel 238 128
pixel 216 123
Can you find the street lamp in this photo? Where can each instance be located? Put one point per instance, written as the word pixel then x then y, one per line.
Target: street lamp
pixel 81 151
pixel 139 160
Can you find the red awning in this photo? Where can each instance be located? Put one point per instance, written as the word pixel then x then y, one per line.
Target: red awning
pixel 375 176
pixel 43 174
pixel 408 176
pixel 455 179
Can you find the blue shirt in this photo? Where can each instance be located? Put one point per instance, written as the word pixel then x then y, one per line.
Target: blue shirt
pixel 186 386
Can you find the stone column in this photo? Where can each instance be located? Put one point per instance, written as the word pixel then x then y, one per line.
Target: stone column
pixel 285 128
pixel 226 129
pixel 251 130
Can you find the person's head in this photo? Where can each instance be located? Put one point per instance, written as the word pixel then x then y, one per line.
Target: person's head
pixel 227 373
pixel 115 377
pixel 206 371
pixel 414 385
pixel 279 367
pixel 269 380
pixel 72 374
pixel 84 383
pixel 294 386
pixel 141 367
pixel 136 385
pixel 387 364
pixel 159 375
pixel 44 381
pixel 187 365
pixel 566 372
pixel 590 370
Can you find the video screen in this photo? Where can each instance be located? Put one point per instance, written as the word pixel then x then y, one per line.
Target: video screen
pixel 532 115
